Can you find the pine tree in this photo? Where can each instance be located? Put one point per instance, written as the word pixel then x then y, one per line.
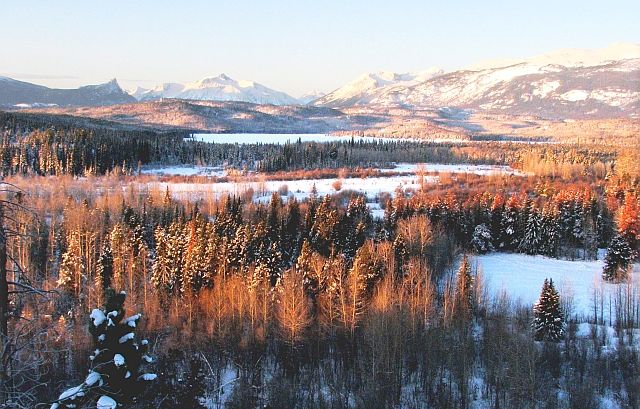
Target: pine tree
pixel 550 232
pixel 532 239
pixel 304 266
pixel 72 267
pixel 116 377
pixel 104 270
pixel 510 239
pixel 401 256
pixel 548 320
pixel 195 266
pixel 367 266
pixel 464 298
pixel 618 259
pixel 481 240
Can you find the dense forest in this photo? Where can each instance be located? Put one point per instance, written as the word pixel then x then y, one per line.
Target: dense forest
pixel 117 294
pixel 27 148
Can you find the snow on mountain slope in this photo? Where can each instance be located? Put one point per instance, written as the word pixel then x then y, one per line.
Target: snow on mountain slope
pixel 566 84
pixel 220 88
pixel 570 57
pixel 365 88
pixel 310 96
pixel 166 90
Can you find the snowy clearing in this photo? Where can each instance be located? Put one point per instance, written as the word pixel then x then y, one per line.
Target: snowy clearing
pixel 521 277
pixel 253 138
pixel 412 176
pixel 416 168
pixel 185 170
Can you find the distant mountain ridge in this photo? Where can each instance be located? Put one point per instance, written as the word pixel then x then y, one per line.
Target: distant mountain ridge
pixel 24 94
pixel 566 84
pixel 220 88
pixel 579 83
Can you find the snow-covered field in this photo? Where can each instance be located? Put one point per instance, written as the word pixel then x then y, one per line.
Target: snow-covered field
pixel 253 138
pixel 185 170
pixel 409 168
pixel 521 277
pixel 300 189
pixel 412 176
pixel 417 168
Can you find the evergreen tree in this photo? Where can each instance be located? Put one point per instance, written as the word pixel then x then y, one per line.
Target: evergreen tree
pixel 367 266
pixel 618 259
pixel 550 232
pixel 548 320
pixel 510 239
pixel 116 377
pixel 104 270
pixel 532 239
pixel 195 267
pixel 464 298
pixel 482 240
pixel 304 266
pixel 401 256
pixel 72 267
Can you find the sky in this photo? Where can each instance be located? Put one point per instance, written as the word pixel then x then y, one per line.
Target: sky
pixel 294 46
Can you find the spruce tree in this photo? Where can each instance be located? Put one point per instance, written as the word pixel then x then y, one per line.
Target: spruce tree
pixel 72 267
pixel 532 239
pixel 548 319
pixel 481 240
pixel 464 299
pixel 401 256
pixel 618 259
pixel 510 239
pixel 116 376
pixel 104 270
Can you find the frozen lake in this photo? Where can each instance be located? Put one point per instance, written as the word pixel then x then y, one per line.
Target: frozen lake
pixel 253 138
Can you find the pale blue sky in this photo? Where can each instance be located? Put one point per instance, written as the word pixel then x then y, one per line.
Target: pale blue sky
pixel 294 46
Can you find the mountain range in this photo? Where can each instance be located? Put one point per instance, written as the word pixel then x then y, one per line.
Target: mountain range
pixel 569 83
pixel 565 84
pixel 220 88
pixel 25 95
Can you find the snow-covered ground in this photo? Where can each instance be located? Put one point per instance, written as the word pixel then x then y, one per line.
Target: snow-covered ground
pixel 185 170
pixel 300 189
pixel 253 138
pixel 521 277
pixel 417 168
pixel 412 176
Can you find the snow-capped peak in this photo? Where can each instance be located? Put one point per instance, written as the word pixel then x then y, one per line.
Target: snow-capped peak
pixel 365 87
pixel 218 88
pixel 575 57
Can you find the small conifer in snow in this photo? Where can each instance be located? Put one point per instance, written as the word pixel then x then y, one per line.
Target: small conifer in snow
pixel 618 259
pixel 548 320
pixel 116 376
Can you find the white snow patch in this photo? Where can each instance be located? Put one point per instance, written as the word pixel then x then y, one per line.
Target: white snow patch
pixel 148 377
pixel 92 378
pixel 106 402
pixel 118 360
pixel 543 88
pixel 575 95
pixel 98 317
